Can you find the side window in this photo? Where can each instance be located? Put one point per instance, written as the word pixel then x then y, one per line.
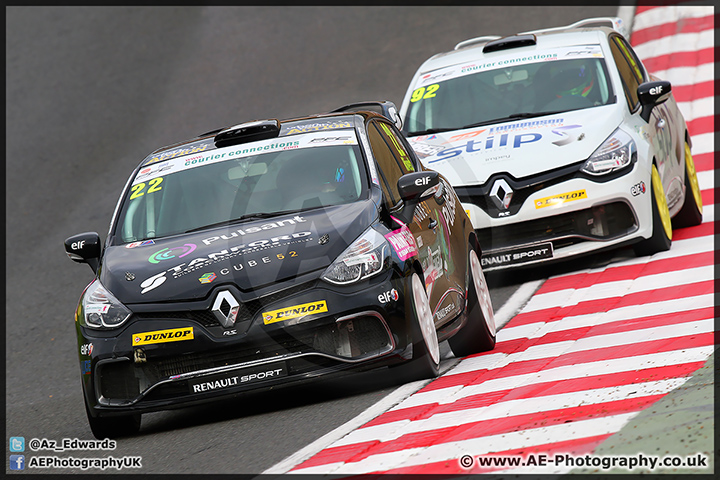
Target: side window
pixel 633 60
pixel 397 146
pixel 392 159
pixel 630 70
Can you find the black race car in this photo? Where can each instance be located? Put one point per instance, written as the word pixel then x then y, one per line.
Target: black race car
pixel 271 252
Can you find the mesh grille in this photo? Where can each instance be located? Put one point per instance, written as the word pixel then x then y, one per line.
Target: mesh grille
pixel 356 338
pixel 616 219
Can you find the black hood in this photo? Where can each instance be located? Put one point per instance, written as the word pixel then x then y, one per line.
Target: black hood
pixel 250 255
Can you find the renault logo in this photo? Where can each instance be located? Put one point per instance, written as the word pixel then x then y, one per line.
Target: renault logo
pixel 501 194
pixel 226 309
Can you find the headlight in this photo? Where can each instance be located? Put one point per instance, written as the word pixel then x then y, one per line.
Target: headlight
pixel 364 258
pixel 101 309
pixel 615 153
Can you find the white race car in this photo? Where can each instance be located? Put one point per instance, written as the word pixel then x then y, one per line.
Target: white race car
pixel 557 141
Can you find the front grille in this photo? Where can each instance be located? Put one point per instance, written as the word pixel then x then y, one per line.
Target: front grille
pixel 602 222
pixel 247 310
pixel 522 189
pixel 353 339
pixel 117 380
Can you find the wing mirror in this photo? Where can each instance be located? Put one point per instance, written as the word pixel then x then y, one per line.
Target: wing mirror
pixel 84 248
pixel 652 94
pixel 414 188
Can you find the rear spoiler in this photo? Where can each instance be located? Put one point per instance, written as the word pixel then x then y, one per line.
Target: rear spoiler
pixel 385 108
pixel 616 23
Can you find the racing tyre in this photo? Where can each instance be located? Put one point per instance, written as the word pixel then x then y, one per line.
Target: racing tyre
pixel 691 212
pixel 661 238
pixel 426 349
pixel 113 427
pixel 478 334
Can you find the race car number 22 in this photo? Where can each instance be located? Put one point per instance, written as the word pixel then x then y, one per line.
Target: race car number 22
pixel 154 187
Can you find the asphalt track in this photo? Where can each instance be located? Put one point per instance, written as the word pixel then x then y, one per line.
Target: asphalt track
pixel 91 91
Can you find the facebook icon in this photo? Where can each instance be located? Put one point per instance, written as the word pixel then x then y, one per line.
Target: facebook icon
pixel 17 462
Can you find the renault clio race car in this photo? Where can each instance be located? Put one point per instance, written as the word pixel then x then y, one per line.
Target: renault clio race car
pixel 272 252
pixel 558 143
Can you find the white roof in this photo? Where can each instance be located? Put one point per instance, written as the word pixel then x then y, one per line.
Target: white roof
pixel 471 50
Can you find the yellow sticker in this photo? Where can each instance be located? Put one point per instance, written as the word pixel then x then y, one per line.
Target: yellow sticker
pixel 559 199
pixel 163 336
pixel 294 312
pixel 467 212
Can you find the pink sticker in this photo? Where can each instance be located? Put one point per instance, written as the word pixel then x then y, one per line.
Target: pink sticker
pixel 403 242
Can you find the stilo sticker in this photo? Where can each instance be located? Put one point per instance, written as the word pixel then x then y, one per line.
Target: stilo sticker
pixel 294 312
pixel 163 336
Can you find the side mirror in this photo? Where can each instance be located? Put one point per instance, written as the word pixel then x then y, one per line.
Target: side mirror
pixel 414 188
pixel 84 248
pixel 652 94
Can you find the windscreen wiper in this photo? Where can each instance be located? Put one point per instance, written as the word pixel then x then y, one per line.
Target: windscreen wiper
pixel 510 118
pixel 247 216
pixel 429 131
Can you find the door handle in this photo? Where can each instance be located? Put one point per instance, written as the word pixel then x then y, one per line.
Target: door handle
pixel 432 224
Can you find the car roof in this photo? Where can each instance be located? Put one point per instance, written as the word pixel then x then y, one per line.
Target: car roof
pixel 579 33
pixel 206 141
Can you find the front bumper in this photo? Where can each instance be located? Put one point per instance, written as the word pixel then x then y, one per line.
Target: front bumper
pixel 564 220
pixel 356 332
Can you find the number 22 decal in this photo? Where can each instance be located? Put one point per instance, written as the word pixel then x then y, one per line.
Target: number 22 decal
pixel 424 93
pixel 138 189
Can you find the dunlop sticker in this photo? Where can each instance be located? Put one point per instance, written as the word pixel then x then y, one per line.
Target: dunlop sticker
pixel 294 312
pixel 163 336
pixel 559 199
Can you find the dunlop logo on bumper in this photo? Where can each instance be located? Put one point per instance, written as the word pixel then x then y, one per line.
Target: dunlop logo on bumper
pixel 163 336
pixel 558 199
pixel 294 312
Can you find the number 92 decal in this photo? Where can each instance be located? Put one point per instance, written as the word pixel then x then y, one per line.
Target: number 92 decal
pixel 423 93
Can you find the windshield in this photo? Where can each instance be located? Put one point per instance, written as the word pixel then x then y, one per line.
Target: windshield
pixel 258 179
pixel 507 88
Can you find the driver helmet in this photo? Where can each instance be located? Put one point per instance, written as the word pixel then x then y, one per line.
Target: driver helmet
pixel 575 80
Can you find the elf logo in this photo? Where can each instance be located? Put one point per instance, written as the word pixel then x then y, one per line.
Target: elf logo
pixel 422 181
pixel 637 189
pixel 387 296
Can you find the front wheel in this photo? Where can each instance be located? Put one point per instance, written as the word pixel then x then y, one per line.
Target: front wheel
pixel 113 427
pixel 478 334
pixel 426 349
pixel 661 238
pixel 691 212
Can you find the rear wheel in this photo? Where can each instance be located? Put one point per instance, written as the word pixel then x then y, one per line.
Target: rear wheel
pixel 691 212
pixel 661 238
pixel 478 334
pixel 113 427
pixel 426 349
